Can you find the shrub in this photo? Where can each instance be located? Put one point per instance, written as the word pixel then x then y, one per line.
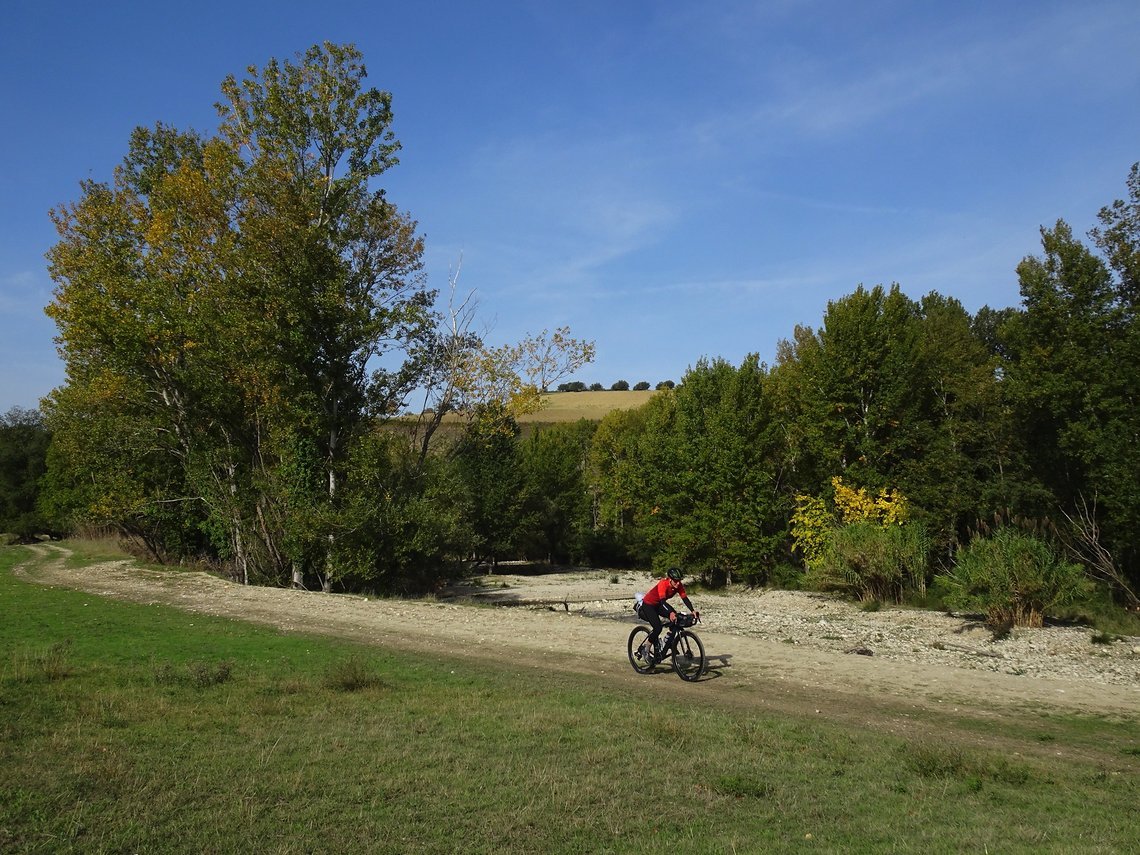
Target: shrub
pixel 890 507
pixel 1014 578
pixel 200 675
pixel 597 387
pixel 786 576
pixel 812 525
pixel 351 675
pixel 869 561
pixel 206 674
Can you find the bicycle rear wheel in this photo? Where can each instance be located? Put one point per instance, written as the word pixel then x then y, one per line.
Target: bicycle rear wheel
pixel 634 648
pixel 688 656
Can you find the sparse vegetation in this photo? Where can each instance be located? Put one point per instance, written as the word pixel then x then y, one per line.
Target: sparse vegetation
pixel 41 664
pixel 352 674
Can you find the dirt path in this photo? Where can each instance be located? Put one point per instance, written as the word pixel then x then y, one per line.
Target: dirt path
pixel 777 650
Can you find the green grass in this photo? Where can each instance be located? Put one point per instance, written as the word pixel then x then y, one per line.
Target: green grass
pixel 134 728
pixel 1099 611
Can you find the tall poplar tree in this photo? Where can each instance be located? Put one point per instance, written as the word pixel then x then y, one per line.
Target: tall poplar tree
pixel 241 288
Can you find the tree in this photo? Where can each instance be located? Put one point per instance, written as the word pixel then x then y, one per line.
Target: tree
pixel 406 522
pixel 490 466
pixel 1073 377
pixel 894 393
pixel 549 356
pixel 1119 239
pixel 620 386
pixel 712 497
pixel 557 514
pixel 613 467
pixel 243 287
pixel 641 386
pixel 970 464
pixel 870 373
pixel 113 463
pixel 464 377
pixel 23 461
pixel 803 413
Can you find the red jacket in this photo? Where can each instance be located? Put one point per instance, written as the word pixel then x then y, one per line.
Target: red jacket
pixel 663 590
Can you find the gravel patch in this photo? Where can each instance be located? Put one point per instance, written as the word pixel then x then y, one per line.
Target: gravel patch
pixel 813 621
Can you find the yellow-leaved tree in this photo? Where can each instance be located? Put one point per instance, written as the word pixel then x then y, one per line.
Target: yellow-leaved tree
pixel 860 544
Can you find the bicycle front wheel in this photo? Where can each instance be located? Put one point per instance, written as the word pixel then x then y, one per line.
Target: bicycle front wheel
pixel 637 639
pixel 688 656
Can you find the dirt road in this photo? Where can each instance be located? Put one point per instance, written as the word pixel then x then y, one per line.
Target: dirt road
pixel 777 650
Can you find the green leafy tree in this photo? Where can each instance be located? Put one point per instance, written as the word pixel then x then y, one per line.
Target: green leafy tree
pixel 1073 377
pixel 1118 237
pixel 23 461
pixel 971 462
pixel 803 413
pixel 894 393
pixel 405 523
pixel 242 287
pixel 490 467
pixel 855 395
pixel 870 373
pixel 614 477
pixel 713 498
pixel 112 465
pixel 554 464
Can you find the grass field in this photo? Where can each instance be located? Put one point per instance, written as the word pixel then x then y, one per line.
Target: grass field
pixel 571 406
pixel 137 728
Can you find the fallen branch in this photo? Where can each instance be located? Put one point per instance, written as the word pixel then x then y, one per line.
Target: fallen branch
pixel 973 651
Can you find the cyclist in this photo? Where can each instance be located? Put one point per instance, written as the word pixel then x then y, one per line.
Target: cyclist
pixel 655 608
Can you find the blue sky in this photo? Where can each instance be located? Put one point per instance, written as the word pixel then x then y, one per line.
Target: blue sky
pixel 671 180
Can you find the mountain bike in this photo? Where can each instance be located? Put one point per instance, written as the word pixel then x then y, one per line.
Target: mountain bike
pixel 678 642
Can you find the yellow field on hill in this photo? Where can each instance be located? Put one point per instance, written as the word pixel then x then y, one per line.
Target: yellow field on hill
pixel 571 406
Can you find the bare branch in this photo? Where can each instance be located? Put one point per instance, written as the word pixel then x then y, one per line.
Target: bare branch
pixel 1084 544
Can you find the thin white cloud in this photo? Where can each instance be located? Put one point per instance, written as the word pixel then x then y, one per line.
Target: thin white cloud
pixel 808 95
pixel 593 201
pixel 23 292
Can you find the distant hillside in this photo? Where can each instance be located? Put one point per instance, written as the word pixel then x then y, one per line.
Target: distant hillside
pixel 571 406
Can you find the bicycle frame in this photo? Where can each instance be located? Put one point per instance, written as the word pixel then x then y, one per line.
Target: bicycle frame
pixel 678 643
